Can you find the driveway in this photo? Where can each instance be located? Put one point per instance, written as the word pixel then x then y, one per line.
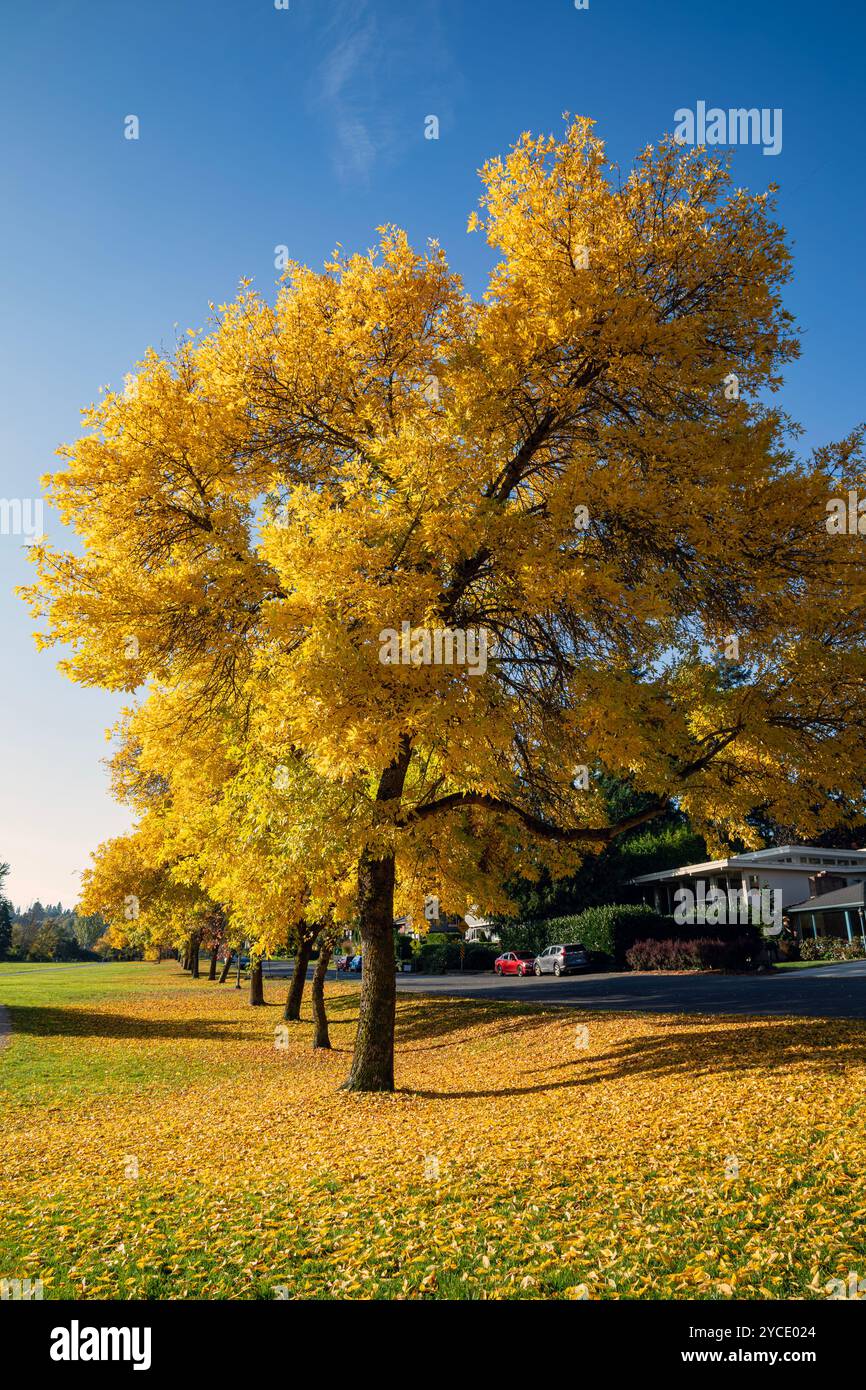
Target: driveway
pixel 827 991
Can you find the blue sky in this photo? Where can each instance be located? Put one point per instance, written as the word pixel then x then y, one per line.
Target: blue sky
pixel 305 127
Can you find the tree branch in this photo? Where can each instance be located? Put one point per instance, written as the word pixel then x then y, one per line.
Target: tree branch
pixel 601 834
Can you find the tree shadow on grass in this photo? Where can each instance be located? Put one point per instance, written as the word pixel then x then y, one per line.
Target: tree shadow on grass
pixel 48 1021
pixel 423 1023
pixel 338 1008
pixel 785 1046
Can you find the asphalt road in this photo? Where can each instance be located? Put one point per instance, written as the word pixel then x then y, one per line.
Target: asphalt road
pixel 828 991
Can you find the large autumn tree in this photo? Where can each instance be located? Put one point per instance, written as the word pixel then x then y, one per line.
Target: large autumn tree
pixel 585 464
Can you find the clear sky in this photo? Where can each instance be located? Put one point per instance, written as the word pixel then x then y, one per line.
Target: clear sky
pixel 304 127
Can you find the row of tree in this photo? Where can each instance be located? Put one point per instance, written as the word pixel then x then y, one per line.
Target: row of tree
pixel 47 933
pixel 586 465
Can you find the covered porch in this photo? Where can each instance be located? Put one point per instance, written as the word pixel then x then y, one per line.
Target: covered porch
pixel 840 914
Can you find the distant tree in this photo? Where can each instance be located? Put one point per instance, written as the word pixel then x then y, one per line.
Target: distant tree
pixel 88 928
pixel 45 943
pixel 5 917
pixel 5 929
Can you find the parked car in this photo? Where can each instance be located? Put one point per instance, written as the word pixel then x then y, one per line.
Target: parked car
pixel 561 960
pixel 514 963
pixel 355 965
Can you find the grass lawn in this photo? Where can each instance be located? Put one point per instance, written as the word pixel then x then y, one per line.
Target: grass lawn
pixel 156 1143
pixel 802 964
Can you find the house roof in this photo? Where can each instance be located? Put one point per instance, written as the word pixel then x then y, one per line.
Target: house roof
pixel 852 896
pixel 783 858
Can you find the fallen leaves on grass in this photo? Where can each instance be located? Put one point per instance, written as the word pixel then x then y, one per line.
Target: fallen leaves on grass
pixel 601 1175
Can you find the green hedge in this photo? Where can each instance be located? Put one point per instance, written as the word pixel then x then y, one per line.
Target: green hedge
pixel 528 936
pixel 433 960
pixel 606 931
pixel 480 956
pixel 609 931
pixel 403 947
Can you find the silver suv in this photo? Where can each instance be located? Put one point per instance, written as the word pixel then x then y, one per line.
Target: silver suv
pixel 559 960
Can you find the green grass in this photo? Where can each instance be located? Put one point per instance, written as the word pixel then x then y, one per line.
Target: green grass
pixel 804 964
pixel 602 1169
pixel 28 982
pixel 59 1047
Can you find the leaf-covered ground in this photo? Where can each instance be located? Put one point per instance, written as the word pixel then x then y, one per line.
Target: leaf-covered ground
pixel 156 1143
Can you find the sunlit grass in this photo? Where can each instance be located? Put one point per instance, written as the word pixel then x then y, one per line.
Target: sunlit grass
pixel 156 1143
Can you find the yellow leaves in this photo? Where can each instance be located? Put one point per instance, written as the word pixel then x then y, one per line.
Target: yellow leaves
pixel 602 1179
pixel 375 447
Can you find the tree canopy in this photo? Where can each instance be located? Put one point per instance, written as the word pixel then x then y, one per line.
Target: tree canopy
pixel 584 468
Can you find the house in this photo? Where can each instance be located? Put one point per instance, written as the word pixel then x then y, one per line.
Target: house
pixel 802 874
pixel 840 913
pixel 472 929
pixel 443 926
pixel 479 929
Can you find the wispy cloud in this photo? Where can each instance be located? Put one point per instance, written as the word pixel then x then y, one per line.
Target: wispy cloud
pixel 368 46
pixel 345 88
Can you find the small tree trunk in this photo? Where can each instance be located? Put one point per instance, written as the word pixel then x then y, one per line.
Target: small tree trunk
pixel 185 961
pixel 211 974
pixel 193 957
pixel 257 989
pixel 321 1037
pixel 227 965
pixel 373 1062
pixel 292 1011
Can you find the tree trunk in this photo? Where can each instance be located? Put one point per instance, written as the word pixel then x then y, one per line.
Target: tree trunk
pixel 193 957
pixel 227 965
pixel 292 1011
pixel 257 990
pixel 373 1062
pixel 321 1037
pixel 184 964
pixel 211 974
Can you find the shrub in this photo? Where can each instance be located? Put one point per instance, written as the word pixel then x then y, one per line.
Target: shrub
pixel 532 936
pixel 608 932
pixel 727 953
pixel 480 957
pixel 661 955
pixel 433 960
pixel 701 953
pixel 812 950
pixel 831 948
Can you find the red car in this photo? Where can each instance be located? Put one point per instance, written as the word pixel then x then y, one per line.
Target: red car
pixel 514 963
